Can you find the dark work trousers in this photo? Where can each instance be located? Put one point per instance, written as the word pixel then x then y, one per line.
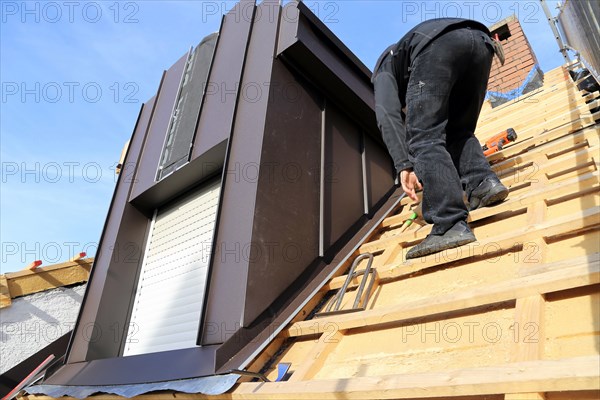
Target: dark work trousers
pixel 445 93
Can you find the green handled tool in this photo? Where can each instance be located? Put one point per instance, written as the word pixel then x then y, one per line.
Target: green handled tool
pixel 409 221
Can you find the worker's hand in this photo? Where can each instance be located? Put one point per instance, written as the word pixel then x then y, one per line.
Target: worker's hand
pixel 410 183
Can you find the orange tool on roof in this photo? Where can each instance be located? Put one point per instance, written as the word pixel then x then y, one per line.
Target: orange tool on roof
pixel 497 142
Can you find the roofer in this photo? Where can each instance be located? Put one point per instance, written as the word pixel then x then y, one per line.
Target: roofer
pixel 429 89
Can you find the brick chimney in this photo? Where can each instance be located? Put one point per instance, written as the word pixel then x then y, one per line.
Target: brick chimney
pixel 520 73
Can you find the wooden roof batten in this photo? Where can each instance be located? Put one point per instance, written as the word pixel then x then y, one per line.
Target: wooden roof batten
pixel 26 282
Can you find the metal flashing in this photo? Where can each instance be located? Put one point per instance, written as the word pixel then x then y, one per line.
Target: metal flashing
pixel 209 385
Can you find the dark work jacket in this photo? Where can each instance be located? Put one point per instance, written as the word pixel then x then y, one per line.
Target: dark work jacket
pixel 411 45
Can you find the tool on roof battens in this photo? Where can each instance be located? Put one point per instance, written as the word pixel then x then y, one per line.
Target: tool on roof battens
pixel 408 222
pixel 497 142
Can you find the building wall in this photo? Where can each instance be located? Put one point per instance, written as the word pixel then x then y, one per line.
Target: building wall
pixel 33 322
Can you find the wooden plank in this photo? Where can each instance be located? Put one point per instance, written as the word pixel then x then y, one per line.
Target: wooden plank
pixel 23 283
pixel 49 268
pixel 504 242
pixel 530 337
pixel 265 356
pixel 566 375
pixel 584 183
pixel 388 256
pixel 590 96
pixel 532 98
pixel 557 84
pixel 5 299
pixel 33 265
pixel 122 158
pixel 549 102
pixel 526 124
pixel 577 119
pixel 582 219
pixel 536 214
pixel 581 183
pixel 556 165
pixel 529 325
pixel 316 358
pixel 580 273
pixel 591 259
pixel 529 329
pixel 536 98
pixel 550 147
pixel 541 136
pixel 525 396
pixel 561 375
pixel 77 256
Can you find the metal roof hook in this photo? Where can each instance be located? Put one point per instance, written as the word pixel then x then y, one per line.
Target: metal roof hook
pixel 367 274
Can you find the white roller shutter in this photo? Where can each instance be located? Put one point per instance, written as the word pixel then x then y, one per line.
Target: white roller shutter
pixel 170 293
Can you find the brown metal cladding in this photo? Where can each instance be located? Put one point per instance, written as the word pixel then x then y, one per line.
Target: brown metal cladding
pixel 343 200
pixel 248 342
pixel 220 100
pixel 109 247
pixel 308 45
pixel 154 367
pixel 227 288
pixel 377 172
pixel 285 233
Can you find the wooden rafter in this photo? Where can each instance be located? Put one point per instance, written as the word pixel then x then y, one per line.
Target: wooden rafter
pixel 23 283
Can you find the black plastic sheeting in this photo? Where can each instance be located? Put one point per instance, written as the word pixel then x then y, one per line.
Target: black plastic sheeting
pixel 209 385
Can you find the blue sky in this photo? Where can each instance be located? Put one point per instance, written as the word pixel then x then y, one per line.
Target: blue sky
pixel 74 75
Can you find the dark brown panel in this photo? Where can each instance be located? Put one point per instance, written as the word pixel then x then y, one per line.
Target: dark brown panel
pixel 155 367
pixel 379 171
pixel 108 250
pixel 290 26
pixel 107 334
pixel 343 179
pixel 219 104
pixel 247 342
pixel 308 45
pixel 230 264
pixel 322 44
pixel 285 237
pixel 155 139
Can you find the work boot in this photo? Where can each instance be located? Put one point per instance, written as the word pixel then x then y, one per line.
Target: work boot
pixel 456 236
pixel 489 192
